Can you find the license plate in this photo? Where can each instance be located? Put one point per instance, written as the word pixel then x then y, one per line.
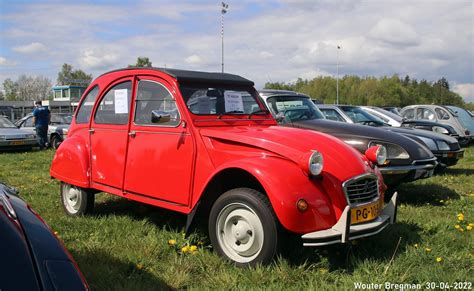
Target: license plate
pixel 18 142
pixel 366 212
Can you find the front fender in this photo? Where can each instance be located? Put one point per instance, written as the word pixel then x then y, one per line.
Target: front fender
pixel 71 162
pixel 285 183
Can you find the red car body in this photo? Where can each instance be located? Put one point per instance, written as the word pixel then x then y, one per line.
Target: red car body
pixel 178 167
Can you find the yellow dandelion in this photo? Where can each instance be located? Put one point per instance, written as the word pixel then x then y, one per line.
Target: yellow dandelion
pixel 428 250
pixel 185 249
pixel 471 224
pixel 468 228
pixel 439 259
pixel 415 245
pixel 441 201
pixel 460 217
pixel 457 226
pixel 323 270
pixel 172 242
pixel 56 233
pixel 139 266
pixel 193 248
pixel 461 229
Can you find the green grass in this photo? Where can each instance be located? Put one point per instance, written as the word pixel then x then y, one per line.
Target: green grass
pixel 124 245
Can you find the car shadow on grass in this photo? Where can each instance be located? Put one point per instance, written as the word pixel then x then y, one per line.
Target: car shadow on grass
pixel 457 171
pixel 345 257
pixel 101 272
pixel 432 194
pixel 118 206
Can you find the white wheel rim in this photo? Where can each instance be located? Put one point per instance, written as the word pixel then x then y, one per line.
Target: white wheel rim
pixel 240 232
pixel 71 198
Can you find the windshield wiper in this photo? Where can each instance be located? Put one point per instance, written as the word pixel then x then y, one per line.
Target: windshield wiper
pixel 258 112
pixel 229 112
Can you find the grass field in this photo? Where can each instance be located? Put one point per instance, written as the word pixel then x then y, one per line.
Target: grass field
pixel 126 245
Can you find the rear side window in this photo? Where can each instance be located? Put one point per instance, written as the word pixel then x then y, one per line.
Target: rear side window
pixel 442 114
pixel 409 113
pixel 114 108
pixel 423 113
pixel 84 113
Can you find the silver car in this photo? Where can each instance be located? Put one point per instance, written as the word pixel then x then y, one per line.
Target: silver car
pixel 12 138
pixel 438 114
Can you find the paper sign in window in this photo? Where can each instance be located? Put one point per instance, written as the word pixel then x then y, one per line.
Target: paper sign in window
pixel 233 102
pixel 121 100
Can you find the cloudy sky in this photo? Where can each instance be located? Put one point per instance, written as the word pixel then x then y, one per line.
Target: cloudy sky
pixel 277 40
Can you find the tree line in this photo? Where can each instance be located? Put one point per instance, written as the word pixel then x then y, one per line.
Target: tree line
pixel 383 91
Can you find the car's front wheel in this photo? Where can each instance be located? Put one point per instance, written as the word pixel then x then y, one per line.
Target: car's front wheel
pixel 55 141
pixel 243 227
pixel 76 201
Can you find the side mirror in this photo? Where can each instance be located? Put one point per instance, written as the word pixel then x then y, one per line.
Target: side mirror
pixel 280 117
pixel 158 116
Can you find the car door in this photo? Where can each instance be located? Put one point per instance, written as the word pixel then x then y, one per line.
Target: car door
pixel 109 134
pixel 27 125
pixel 161 149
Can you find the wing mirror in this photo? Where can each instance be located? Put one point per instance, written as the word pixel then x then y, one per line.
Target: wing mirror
pixel 158 116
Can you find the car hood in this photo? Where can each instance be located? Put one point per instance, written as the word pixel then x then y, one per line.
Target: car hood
pixel 14 132
pixel 294 144
pixel 423 133
pixel 347 131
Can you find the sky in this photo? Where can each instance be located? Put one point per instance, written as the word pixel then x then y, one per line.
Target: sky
pixel 264 41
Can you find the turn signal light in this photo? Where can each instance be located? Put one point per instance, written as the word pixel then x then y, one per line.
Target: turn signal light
pixel 302 205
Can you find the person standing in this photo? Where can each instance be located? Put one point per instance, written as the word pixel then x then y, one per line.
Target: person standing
pixel 41 118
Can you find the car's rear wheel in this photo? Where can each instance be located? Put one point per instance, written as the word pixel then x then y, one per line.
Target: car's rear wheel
pixel 243 227
pixel 76 201
pixel 55 141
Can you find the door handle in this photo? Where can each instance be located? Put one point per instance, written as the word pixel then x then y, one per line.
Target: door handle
pixel 132 134
pixel 91 130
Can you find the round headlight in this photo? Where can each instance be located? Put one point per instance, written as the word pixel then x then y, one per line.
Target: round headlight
pixel 394 151
pixel 381 155
pixel 315 163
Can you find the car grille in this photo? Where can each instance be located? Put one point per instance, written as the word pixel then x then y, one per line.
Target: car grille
pixel 361 189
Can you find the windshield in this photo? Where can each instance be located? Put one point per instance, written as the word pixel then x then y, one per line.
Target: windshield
pixel 60 119
pixel 463 116
pixel 5 123
pixel 388 113
pixel 294 108
pixel 358 115
pixel 221 100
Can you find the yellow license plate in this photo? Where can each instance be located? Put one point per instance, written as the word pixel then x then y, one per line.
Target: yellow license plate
pixel 366 212
pixel 19 142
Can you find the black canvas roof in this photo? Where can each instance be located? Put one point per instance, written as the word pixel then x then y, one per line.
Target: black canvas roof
pixel 197 76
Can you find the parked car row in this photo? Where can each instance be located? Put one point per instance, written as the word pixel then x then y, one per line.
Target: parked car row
pixel 57 129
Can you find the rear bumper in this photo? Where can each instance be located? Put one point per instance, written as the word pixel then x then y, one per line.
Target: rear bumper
pixel 343 231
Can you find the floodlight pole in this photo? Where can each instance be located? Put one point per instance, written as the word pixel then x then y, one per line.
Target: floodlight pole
pixel 337 76
pixel 223 11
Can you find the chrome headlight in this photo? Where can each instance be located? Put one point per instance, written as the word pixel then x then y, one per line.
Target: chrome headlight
pixel 440 129
pixel 315 163
pixel 430 143
pixel 381 155
pixel 442 145
pixel 394 152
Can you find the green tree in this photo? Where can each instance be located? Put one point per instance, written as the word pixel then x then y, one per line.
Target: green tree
pixel 68 76
pixel 142 62
pixel 11 89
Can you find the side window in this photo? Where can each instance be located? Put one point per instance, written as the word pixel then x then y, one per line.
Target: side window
pixel 155 105
pixel 28 123
pixel 428 114
pixel 331 114
pixel 442 114
pixel 84 112
pixel 114 108
pixel 409 113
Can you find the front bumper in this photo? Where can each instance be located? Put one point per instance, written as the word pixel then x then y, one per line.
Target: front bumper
pixel 449 158
pixel 394 175
pixel 343 231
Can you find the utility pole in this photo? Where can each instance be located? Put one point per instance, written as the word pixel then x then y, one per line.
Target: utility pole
pixel 337 78
pixel 223 11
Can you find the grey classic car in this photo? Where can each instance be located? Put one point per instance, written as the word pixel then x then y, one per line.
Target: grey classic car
pixel 12 138
pixel 57 130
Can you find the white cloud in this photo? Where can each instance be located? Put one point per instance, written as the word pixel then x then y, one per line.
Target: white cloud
pixel 5 62
pixel 394 32
pixel 193 60
pixel 466 90
pixel 32 48
pixel 98 59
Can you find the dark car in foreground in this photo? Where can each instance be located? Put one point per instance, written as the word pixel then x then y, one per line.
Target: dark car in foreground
pixel 407 160
pixel 32 257
pixel 446 149
pixel 12 138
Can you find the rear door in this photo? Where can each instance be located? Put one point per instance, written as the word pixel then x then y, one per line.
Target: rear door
pixel 161 149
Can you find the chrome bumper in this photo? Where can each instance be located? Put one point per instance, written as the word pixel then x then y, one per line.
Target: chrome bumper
pixel 343 231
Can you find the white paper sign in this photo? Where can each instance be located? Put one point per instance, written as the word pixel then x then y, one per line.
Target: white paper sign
pixel 233 101
pixel 121 101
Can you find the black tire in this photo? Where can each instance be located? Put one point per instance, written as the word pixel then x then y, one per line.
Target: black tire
pixel 243 227
pixel 76 201
pixel 55 141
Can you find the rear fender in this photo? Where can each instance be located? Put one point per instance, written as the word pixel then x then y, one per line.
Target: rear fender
pixel 285 183
pixel 71 162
